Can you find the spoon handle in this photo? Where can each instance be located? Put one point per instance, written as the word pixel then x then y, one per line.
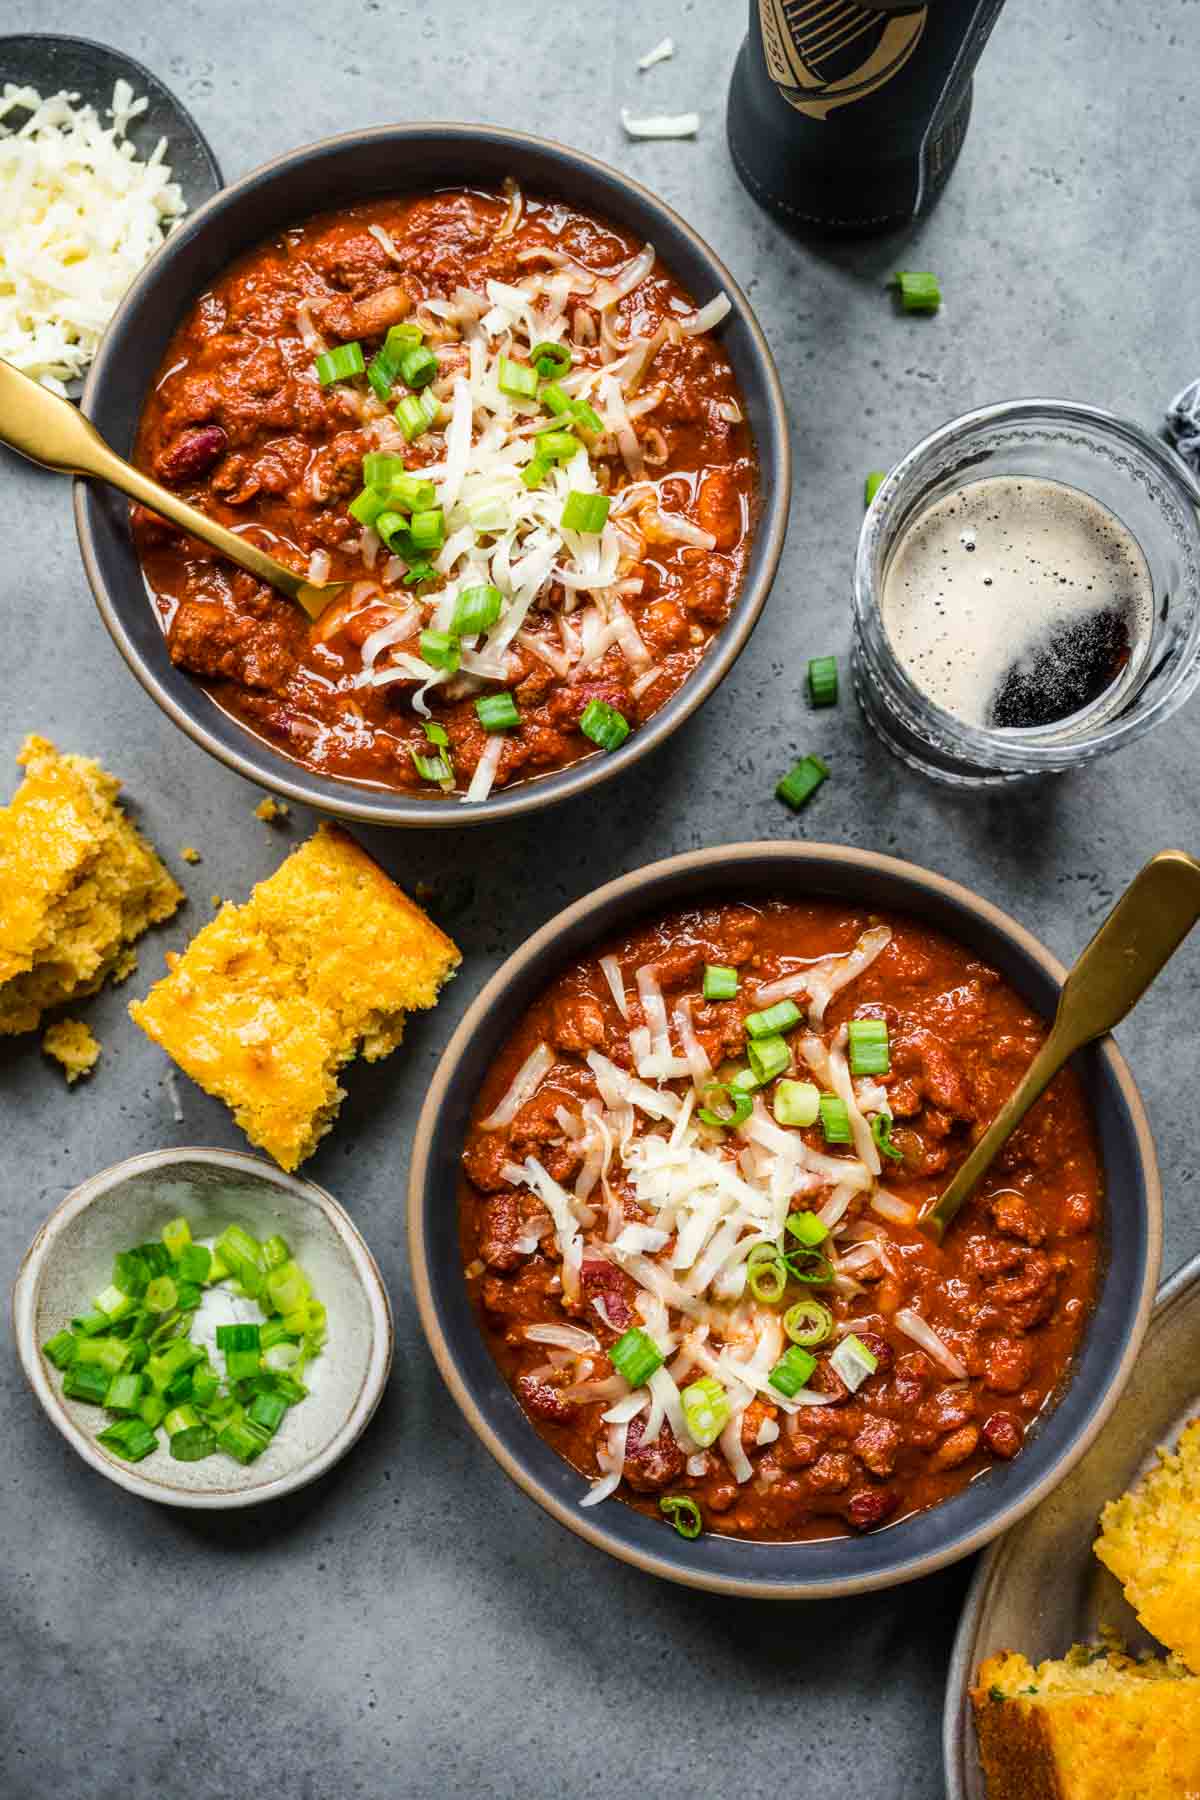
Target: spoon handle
pixel 52 432
pixel 1144 929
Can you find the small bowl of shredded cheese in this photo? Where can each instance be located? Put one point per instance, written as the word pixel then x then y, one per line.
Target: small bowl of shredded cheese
pixel 98 162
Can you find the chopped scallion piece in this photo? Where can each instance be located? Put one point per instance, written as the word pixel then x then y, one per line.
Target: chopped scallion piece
pixel 556 399
pixel 195 1264
pixel 808 1228
pixel 636 1356
pixel 808 1322
pixel 60 1349
pixel 162 1294
pixel 796 1103
pixel 476 610
pixel 131 1439
pixel 267 1411
pixel 802 781
pixel 176 1236
pixel 367 506
pixel 108 1353
pixel 418 366
pixel 88 1382
pixel 433 768
pixel 868 1045
pixel 585 512
pixel 193 1443
pixel 766 1275
pixel 823 680
pixel 428 529
pixel 124 1392
pixel 873 483
pixel 534 473
pixel 683 1514
pixel 242 1440
pixel 497 712
pixel 114 1304
pixel 707 1409
pixel 741 1104
pixel 412 417
pixel 586 418
pixel 559 446
pixel 441 650
pixel 339 364
pixel 720 982
pixel 792 1371
pixel 550 359
pixel 919 290
pixel 768 1057
pixel 518 380
pixel 776 1019
pixel 405 336
pixel 835 1120
pixel 881 1131
pixel 604 725
pixel 238 1337
pixel 853 1362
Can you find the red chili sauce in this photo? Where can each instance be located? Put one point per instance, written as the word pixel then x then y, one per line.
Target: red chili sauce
pixel 1008 1293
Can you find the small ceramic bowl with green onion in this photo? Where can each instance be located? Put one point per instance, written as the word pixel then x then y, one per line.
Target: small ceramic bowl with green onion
pixel 203 1329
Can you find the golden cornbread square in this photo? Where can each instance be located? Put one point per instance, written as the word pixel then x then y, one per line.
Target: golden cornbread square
pixel 1095 1726
pixel 272 997
pixel 1150 1539
pixel 78 885
pixel 70 1042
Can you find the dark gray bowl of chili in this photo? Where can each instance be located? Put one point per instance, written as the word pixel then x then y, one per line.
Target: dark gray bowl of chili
pixel 1040 1296
pixel 310 719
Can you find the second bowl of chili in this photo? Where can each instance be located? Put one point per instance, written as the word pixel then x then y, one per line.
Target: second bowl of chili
pixel 663 1222
pixel 511 400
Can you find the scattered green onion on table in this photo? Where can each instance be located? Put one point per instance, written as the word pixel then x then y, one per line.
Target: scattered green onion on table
pixel 133 1355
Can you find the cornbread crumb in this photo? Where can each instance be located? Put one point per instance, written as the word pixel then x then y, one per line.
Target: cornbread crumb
pixel 190 854
pixel 78 884
pixel 270 810
pixel 1150 1539
pixel 272 997
pixel 70 1042
pixel 1095 1726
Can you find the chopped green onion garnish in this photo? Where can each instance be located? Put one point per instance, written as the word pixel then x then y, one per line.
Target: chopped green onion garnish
pixel 339 364
pixel 496 712
pixel 586 418
pixel 402 337
pixel 707 1409
pixel 108 1353
pixel 558 446
pixel 792 1371
pixel 124 1392
pixel 60 1349
pixel 275 1332
pixel 556 399
pixel 367 506
pixel 534 473
pixel 176 1237
pixel 131 1439
pixel 241 1363
pixel 919 290
pixel 419 572
pixel 476 609
pixel 802 781
pixel 776 1019
pixel 411 416
pixel 162 1294
pixel 241 1253
pixel 380 468
pixel 853 1362
pixel 181 1418
pixel 873 483
pixel 720 982
pixel 392 527
pixel 745 1082
pixel 881 1131
pixel 433 768
pixel 242 1440
pixel 604 725
pixel 516 379
pixel 418 367
pixel 88 1382
pixel 193 1443
pixel 808 1322
pixel 550 359
pixel 835 1120
pixel 238 1337
pixel 769 1057
pixel 437 734
pixel 741 1104
pixel 808 1228
pixel 636 1356
pixel 428 529
pixel 766 1276
pixel 267 1411
pixel 152 1409
pixel 868 1042
pixel 205 1385
pixel 410 493
pixel 441 650
pixel 196 1263
pixel 114 1304
pixel 683 1513
pixel 585 512
pixel 381 374
pixel 810 1267
pixel 796 1103
pixel 823 680
pixel 130 1273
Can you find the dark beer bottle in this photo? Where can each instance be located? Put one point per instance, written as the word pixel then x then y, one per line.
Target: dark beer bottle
pixel 848 119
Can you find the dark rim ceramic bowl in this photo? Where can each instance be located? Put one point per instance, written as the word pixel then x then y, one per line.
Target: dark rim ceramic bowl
pixel 337 172
pixel 1132 1232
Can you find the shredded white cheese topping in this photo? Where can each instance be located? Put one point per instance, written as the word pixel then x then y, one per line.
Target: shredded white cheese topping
pixel 80 215
pixel 660 125
pixel 660 53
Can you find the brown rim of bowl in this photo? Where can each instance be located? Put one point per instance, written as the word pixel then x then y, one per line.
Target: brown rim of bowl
pixel 702 863
pixel 375 807
pixel 50 1397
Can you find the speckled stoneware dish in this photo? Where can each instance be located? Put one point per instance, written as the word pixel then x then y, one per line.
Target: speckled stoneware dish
pixel 338 172
pixel 1042 1590
pixel 54 64
pixel 70 1259
pixel 1131 1232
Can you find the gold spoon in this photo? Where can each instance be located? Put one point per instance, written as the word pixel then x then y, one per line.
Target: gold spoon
pixel 54 433
pixel 1144 928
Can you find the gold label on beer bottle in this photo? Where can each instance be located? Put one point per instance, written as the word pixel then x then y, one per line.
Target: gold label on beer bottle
pixel 822 54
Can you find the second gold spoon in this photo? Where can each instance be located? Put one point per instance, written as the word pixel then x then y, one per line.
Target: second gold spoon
pixel 54 433
pixel 1144 928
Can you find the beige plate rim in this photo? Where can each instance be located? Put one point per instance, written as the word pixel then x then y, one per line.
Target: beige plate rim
pixel 702 863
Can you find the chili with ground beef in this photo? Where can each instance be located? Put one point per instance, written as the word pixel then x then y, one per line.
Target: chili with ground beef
pixel 1006 1296
pixel 238 422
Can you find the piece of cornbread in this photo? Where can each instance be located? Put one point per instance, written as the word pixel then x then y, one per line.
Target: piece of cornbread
pixel 1150 1539
pixel 78 885
pixel 270 999
pixel 70 1043
pixel 1095 1726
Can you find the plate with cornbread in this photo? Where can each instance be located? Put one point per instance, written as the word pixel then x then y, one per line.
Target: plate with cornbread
pixel 1076 1670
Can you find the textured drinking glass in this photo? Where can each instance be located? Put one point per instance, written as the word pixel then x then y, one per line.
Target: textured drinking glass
pixel 1137 479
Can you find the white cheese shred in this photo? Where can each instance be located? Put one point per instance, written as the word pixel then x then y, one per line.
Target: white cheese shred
pixel 660 125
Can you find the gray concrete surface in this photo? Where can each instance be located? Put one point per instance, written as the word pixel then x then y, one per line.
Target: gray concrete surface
pixel 414 1626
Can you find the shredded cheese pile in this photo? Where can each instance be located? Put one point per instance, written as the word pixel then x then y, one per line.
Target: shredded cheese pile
pixel 80 215
pixel 503 533
pixel 712 1197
